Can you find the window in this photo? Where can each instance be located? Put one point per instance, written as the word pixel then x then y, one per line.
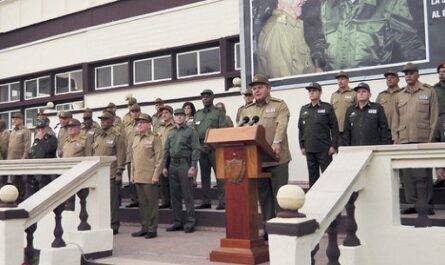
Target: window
pixel 70 106
pixel 69 82
pixel 6 117
pixel 237 54
pixel 38 87
pixel 31 116
pixel 110 76
pixel 202 62
pixel 10 92
pixel 152 69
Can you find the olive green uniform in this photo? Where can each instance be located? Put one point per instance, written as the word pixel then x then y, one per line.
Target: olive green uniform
pixel 282 49
pixel 75 146
pixel 146 167
pixel 386 99
pixel 111 143
pixel 229 122
pixel 364 33
pixel 127 120
pixel 274 116
pixel 4 143
pixel 162 131
pixel 156 120
pixel 209 118
pixel 341 101
pixel 181 151
pixel 130 133
pixel 440 92
pixel 415 115
pixel 61 137
pixel 118 123
pixel 19 143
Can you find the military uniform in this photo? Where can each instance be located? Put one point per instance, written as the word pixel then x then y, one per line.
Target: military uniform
pixel 440 92
pixel 111 143
pixel 209 118
pixel 75 146
pixel 19 143
pixel 274 116
pixel 181 151
pixel 282 49
pixel 439 130
pixel 317 133
pixel 363 33
pixel 156 118
pixel 4 143
pixel 341 101
pixel 386 100
pixel 62 135
pixel 146 169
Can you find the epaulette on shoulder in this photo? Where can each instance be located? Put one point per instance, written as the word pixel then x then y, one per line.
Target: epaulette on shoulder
pixel 116 131
pixel 427 86
pixel 250 105
pixel 276 99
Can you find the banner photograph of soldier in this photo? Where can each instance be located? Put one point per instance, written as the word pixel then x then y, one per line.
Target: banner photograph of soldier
pixel 297 37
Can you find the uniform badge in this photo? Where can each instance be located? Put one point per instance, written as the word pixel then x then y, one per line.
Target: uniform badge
pixel 352 114
pixel 109 141
pixel 423 97
pixel 372 111
pixel 270 110
pixel 91 132
pixel 304 122
pixel 348 96
pixel 197 122
pixel 321 111
pixel 148 142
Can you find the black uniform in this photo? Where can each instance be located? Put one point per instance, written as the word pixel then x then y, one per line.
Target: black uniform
pixel 366 126
pixel 45 148
pixel 318 131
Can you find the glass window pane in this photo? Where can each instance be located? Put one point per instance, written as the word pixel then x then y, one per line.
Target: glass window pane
pixel 103 76
pixel 15 91
pixel 120 74
pixel 162 68
pixel 4 116
pixel 31 88
pixel 142 70
pixel 62 83
pixel 76 81
pixel 4 93
pixel 44 87
pixel 187 64
pixel 209 61
pixel 30 115
pixel 237 56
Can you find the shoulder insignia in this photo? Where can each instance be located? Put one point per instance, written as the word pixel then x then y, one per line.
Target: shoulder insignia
pixel 282 19
pixel 250 105
pixel 276 99
pixel 427 86
pixel 116 131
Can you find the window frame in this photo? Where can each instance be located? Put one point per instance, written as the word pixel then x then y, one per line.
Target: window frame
pixel 69 92
pixel 112 76
pixel 70 103
pixel 235 59
pixel 34 120
pixel 198 66
pixel 38 87
pixel 9 91
pixel 152 69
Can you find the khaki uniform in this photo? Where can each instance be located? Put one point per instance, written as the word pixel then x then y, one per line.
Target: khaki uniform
pixel 127 120
pixel 162 131
pixel 88 133
pixel 156 121
pixel 75 147
pixel 145 167
pixel 386 99
pixel 118 124
pixel 61 137
pixel 229 122
pixel 415 114
pixel 19 143
pixel 4 143
pixel 282 49
pixel 274 116
pixel 238 113
pixel 111 143
pixel 341 101
pixel 130 132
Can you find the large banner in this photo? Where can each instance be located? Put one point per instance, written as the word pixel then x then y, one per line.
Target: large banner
pixel 298 41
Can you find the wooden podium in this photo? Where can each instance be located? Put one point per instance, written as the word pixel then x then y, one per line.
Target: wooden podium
pixel 239 153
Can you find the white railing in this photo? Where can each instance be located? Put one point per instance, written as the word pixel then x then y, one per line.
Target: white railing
pixel 76 174
pixel 373 173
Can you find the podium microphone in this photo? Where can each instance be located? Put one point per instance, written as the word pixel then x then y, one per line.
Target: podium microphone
pixel 243 121
pixel 254 120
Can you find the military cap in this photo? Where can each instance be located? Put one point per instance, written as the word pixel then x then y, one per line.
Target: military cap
pixel 111 105
pixel 135 108
pixel 313 85
pixel 362 85
pixel 248 91
pixel 131 101
pixel 65 115
pixel 87 115
pixel 207 92
pixel 143 117
pixel 391 72
pixel 442 65
pixel 159 100
pixel 167 107
pixel 410 67
pixel 73 123
pixel 17 115
pixel 106 115
pixel 342 74
pixel 41 123
pixel 179 111
pixel 260 79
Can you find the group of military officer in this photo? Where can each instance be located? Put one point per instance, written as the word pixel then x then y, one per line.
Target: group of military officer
pixel 400 116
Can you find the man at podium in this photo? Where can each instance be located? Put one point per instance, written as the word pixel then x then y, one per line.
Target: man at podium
pixel 273 114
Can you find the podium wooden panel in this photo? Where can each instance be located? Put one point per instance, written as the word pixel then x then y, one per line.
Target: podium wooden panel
pixel 239 153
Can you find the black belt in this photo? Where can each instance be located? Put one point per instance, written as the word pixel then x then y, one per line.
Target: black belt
pixel 179 160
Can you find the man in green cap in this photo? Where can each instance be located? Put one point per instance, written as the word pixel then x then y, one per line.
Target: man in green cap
pixel 415 114
pixel 440 87
pixel 127 120
pixel 208 118
pixel 317 133
pixel 181 154
pixel 341 100
pixel 274 115
pixel 156 118
pixel 112 108
pixel 108 141
pixel 4 140
pixel 386 97
pixel 146 169
pixel 62 135
pixel 365 122
pixel 130 133
pixel 76 144
pixel 366 32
